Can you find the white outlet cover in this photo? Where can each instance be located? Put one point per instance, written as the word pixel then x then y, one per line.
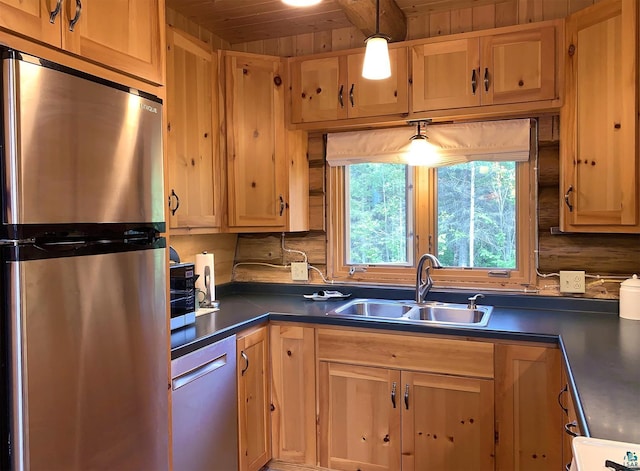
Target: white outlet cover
pixel 299 271
pixel 572 281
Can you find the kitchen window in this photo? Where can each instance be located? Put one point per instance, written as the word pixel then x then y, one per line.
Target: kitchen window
pixel 476 216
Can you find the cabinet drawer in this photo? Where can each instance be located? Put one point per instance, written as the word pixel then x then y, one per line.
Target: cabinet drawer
pixel 417 353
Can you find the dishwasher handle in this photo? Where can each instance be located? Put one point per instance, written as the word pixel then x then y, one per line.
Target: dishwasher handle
pixel 197 372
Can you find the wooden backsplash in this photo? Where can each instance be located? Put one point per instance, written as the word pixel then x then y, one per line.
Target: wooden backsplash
pixel 594 253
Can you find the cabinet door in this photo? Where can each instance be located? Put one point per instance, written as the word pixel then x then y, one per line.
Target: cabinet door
pixel 571 428
pixel 293 394
pixel 359 417
pixel 528 418
pixel 378 97
pixel 598 121
pixel 318 89
pixel 122 34
pixel 33 18
pixel 192 137
pixel 447 422
pixel 518 67
pixel 254 436
pixel 446 75
pixel 256 141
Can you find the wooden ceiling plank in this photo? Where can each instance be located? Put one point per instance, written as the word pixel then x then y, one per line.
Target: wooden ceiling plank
pixel 362 14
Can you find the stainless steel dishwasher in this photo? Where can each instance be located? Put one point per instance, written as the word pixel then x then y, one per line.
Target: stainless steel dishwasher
pixel 204 406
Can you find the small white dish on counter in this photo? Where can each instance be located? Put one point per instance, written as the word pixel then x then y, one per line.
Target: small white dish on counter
pixel 206 310
pixel 326 295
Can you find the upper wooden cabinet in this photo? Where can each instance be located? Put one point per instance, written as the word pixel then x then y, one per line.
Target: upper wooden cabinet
pixel 598 121
pixel 267 166
pixel 193 163
pixel 124 35
pixel 488 69
pixel 33 19
pixel 331 87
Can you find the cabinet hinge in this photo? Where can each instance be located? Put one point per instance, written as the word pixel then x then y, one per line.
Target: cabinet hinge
pixel 496 437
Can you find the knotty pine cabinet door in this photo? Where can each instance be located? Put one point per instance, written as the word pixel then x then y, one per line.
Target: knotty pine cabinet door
pixel 318 89
pixel 378 97
pixel 267 164
pixel 359 417
pixel 125 35
pixel 447 422
pixel 193 163
pixel 331 88
pixel 446 74
pixel 32 18
pixel 293 393
pixel 529 421
pixel 599 171
pixel 518 67
pixel 502 68
pixel 571 428
pixel 381 419
pixel 254 437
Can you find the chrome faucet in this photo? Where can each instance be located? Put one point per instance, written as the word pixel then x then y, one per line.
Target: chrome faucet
pixel 424 285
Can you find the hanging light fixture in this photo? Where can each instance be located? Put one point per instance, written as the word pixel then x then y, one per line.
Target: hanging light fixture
pixel 376 64
pixel 421 151
pixel 301 3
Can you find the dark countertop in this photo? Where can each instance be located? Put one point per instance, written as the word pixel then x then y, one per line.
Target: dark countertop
pixel 600 350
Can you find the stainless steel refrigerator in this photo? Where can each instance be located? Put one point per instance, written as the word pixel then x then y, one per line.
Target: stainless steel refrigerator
pixel 83 326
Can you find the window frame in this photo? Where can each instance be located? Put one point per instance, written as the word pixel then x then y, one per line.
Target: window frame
pixel 424 225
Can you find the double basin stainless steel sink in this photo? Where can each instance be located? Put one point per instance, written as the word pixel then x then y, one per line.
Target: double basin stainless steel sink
pixel 428 312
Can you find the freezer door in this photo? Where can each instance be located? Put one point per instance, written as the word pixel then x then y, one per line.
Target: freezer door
pixel 90 362
pixel 78 149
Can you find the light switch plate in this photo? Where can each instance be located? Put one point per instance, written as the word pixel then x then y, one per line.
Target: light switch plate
pixel 299 271
pixel 572 281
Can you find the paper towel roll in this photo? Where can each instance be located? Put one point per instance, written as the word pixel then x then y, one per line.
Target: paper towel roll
pixel 204 260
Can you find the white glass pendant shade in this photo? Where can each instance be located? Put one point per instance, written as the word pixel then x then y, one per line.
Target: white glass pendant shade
pixel 376 64
pixel 301 3
pixel 421 151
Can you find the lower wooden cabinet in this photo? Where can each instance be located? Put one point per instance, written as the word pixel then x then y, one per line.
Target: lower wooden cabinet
pixel 447 422
pixel 391 402
pixel 571 428
pixel 354 399
pixel 528 420
pixel 254 430
pixel 293 393
pixel 382 419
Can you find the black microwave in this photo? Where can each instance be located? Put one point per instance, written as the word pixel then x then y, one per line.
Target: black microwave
pixel 182 285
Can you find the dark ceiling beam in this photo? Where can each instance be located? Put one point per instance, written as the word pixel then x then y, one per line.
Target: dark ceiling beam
pixel 362 14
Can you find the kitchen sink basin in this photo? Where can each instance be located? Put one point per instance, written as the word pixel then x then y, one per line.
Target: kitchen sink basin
pixel 452 314
pixel 409 311
pixel 373 308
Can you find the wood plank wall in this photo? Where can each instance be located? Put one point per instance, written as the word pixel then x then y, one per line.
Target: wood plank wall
pixel 596 254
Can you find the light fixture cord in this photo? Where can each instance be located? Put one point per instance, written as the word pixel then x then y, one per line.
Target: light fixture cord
pixel 377 17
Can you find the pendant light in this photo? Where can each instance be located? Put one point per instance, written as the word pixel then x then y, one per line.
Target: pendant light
pixel 301 3
pixel 376 64
pixel 421 151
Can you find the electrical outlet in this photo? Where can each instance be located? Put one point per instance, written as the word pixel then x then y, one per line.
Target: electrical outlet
pixel 572 282
pixel 299 271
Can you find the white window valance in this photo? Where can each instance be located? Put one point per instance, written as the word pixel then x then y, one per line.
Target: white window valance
pixel 506 140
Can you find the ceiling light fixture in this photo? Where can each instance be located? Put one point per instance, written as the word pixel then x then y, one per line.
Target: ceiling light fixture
pixel 301 3
pixel 377 65
pixel 421 151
